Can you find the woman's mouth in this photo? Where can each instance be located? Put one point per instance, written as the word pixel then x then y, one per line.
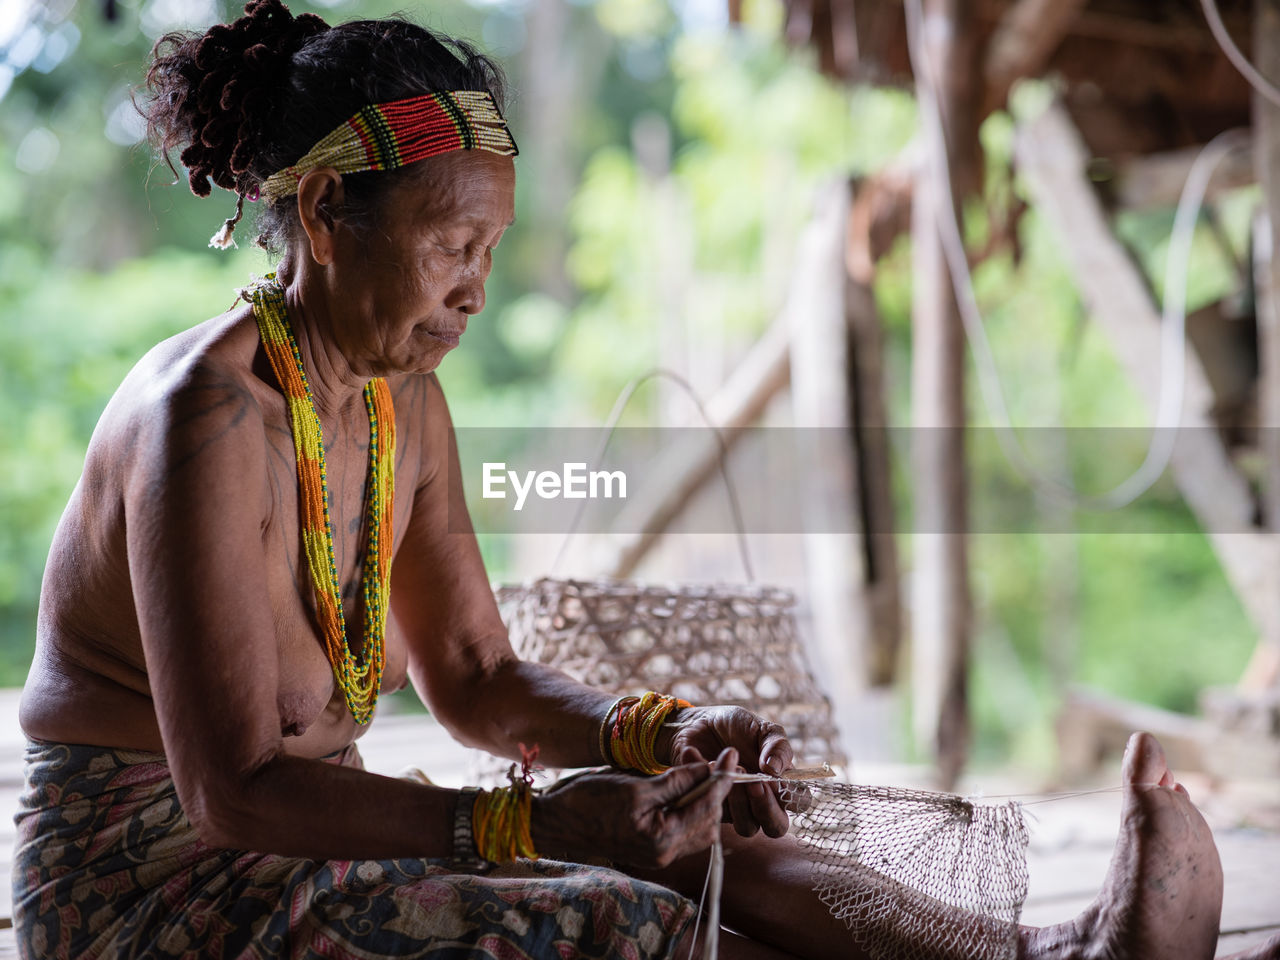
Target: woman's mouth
pixel 445 336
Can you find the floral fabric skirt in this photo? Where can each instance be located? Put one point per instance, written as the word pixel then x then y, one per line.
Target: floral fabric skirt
pixel 107 865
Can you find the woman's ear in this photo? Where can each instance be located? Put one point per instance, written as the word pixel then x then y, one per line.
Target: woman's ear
pixel 319 194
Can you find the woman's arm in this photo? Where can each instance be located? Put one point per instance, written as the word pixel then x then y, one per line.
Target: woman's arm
pixel 195 500
pixel 460 659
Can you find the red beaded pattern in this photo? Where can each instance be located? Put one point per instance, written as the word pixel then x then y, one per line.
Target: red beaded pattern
pixel 384 136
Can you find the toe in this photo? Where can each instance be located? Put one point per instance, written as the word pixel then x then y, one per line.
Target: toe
pixel 1144 760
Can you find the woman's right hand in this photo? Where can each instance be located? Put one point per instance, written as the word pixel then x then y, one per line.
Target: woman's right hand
pixel 637 821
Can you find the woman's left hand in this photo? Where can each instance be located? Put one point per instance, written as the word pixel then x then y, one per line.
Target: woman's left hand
pixel 701 733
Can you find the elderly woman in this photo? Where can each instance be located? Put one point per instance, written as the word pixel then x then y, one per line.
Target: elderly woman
pixel 261 545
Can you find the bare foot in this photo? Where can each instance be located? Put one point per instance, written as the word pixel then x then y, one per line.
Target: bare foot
pixel 1162 898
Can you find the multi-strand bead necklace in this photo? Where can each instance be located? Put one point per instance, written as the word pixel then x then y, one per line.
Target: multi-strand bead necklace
pixel 360 679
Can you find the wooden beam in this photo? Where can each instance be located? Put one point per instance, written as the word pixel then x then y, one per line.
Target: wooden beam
pixel 940 593
pixel 1264 669
pixel 1025 38
pixel 1094 727
pixel 1156 179
pixel 1052 160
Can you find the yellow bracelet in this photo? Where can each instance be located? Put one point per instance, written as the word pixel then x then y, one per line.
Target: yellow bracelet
pixel 501 821
pixel 634 739
pixel 605 753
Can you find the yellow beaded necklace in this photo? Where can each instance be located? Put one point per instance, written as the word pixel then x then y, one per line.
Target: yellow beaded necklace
pixel 360 682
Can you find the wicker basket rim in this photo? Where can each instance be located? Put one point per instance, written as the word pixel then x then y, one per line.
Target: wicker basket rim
pixel 633 588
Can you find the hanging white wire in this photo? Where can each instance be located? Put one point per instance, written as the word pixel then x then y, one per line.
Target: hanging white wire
pixel 1173 314
pixel 1234 54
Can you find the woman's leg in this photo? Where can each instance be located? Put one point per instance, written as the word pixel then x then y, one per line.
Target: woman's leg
pixel 1162 897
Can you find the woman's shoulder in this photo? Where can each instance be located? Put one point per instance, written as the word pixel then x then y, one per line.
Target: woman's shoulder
pixel 219 350
pixel 223 346
pixel 202 378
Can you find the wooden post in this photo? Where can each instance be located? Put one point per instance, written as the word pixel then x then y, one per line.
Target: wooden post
pixel 879 213
pixel 1264 669
pixel 940 600
pixel 820 396
pixel 874 487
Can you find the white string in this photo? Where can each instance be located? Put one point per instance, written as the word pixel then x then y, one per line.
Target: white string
pixel 715 872
pixel 709 900
pixel 1234 54
pixel 702 900
pixel 1173 313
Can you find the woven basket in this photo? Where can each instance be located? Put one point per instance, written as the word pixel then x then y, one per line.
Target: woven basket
pixel 708 644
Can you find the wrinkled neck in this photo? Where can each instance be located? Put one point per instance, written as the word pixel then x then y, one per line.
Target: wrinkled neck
pixel 317 322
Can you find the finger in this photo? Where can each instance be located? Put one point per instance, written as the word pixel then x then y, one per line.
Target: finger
pixel 744 823
pixel 727 762
pixel 705 800
pixel 766 809
pixel 677 782
pixel 776 754
pixel 686 752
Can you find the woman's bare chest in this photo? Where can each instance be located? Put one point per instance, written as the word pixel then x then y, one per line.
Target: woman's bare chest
pixel 298 556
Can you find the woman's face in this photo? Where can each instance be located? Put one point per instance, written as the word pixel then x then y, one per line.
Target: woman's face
pixel 407 287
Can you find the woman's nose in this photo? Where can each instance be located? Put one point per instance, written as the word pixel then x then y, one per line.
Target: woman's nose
pixel 468 293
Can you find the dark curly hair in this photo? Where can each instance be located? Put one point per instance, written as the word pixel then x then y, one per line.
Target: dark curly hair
pixel 248 98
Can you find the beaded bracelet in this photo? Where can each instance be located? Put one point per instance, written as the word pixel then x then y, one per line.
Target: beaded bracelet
pixel 605 727
pixel 501 819
pixel 634 740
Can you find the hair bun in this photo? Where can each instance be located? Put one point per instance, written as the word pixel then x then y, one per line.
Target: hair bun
pixel 217 89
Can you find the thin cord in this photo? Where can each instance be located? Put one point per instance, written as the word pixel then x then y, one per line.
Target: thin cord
pixel 712 947
pixel 1234 54
pixel 1051 797
pixel 1173 313
pixel 702 900
pixel 712 888
pixel 611 424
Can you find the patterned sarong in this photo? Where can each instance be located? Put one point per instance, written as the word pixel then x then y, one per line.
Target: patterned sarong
pixel 107 865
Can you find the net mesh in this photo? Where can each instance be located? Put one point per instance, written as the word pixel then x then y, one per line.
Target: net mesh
pixel 912 873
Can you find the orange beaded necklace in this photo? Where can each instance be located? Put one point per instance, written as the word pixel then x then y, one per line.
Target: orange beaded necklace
pixel 360 680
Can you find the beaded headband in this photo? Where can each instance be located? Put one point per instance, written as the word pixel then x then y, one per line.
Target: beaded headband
pixel 386 136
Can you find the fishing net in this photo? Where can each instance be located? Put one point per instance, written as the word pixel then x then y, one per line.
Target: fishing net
pixel 915 875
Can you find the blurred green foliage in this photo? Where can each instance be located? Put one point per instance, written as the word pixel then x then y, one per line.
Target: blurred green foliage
pixel 692 152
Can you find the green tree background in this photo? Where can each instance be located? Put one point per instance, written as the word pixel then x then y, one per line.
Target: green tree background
pixel 654 137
